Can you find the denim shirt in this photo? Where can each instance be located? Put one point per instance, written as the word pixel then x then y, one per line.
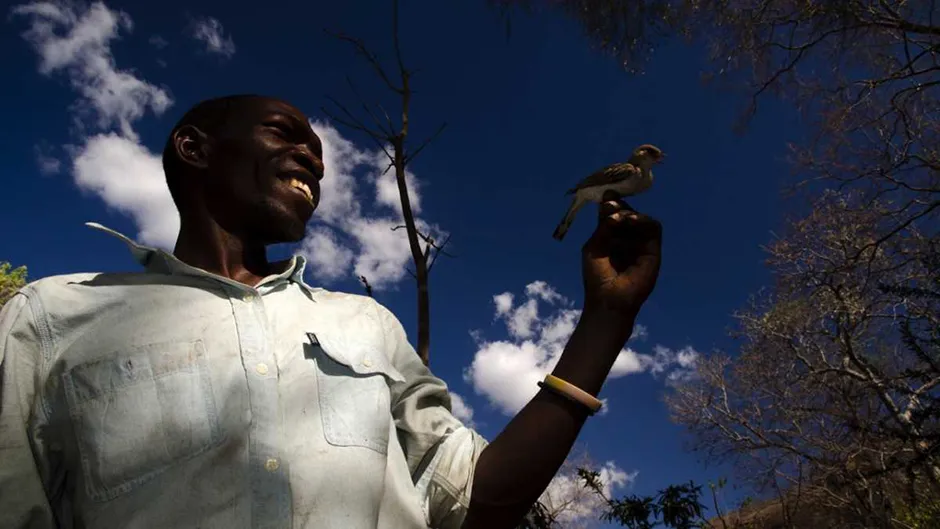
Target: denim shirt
pixel 177 398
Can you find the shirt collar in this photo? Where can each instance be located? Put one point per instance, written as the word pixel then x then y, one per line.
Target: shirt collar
pixel 156 260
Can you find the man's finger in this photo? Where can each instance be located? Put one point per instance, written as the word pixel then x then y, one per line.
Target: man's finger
pixel 608 208
pixel 630 224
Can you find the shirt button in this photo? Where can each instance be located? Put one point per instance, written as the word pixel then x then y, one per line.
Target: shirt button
pixel 367 362
pixel 262 368
pixel 271 465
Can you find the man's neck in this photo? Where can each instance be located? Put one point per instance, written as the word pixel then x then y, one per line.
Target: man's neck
pixel 204 244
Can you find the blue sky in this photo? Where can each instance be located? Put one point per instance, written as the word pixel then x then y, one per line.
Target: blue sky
pixel 527 117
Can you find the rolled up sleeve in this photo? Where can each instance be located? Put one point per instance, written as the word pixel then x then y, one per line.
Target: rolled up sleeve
pixel 441 452
pixel 23 501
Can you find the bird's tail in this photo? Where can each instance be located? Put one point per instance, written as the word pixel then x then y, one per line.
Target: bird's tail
pixel 565 223
pixel 561 230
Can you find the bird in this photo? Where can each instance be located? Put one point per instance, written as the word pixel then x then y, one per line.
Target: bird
pixel 626 179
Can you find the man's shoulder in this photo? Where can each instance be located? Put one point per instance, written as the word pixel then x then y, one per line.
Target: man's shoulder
pixel 80 279
pixel 337 296
pixel 359 301
pixel 80 284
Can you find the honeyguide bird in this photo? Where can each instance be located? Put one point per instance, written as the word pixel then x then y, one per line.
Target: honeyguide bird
pixel 626 179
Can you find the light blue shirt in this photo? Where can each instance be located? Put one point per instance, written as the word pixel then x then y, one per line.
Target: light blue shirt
pixel 177 398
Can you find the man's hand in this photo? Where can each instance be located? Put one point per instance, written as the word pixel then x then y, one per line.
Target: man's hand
pixel 620 262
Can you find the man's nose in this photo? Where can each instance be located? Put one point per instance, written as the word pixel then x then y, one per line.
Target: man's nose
pixel 305 158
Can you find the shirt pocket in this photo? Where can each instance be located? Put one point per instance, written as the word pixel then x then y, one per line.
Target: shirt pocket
pixel 138 414
pixel 355 401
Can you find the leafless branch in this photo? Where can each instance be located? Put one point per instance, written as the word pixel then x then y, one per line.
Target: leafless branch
pixel 426 142
pixel 392 140
pixel 370 57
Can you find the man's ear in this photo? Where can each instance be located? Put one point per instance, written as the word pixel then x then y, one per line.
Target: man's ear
pixel 192 146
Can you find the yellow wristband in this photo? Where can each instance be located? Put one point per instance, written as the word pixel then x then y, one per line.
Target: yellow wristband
pixel 572 392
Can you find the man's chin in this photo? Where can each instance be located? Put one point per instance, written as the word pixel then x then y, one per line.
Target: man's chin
pixel 288 232
pixel 280 227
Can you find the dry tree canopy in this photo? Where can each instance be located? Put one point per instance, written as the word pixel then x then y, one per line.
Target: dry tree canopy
pixel 836 388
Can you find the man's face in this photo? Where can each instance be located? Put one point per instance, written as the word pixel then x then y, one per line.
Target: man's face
pixel 263 172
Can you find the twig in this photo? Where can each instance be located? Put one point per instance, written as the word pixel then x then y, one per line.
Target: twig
pixel 425 143
pixel 369 56
pixel 365 283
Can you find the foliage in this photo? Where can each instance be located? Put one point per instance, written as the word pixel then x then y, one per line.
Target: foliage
pixel 925 516
pixel 11 280
pixel 676 507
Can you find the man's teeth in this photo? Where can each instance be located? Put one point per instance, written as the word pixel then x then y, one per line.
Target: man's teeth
pixel 297 184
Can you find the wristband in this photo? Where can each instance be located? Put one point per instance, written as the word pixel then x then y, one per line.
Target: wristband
pixel 571 392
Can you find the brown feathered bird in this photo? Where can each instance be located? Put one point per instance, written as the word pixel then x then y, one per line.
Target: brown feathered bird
pixel 626 179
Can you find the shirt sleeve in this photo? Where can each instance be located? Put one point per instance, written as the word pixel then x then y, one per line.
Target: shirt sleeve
pixel 23 501
pixel 441 452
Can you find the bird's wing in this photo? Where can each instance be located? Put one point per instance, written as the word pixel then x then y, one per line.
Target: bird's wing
pixel 611 174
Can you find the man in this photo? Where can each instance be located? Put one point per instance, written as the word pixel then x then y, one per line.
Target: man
pixel 217 389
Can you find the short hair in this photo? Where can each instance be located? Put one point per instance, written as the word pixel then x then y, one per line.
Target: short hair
pixel 209 116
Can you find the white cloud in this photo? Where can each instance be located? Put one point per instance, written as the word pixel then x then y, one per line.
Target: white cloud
pixel 386 185
pixel 209 31
pixel 639 332
pixel 684 361
pixel 380 253
pixel 507 371
pixel 158 42
pixel 461 410
pixel 503 303
pixel 338 188
pixel 114 166
pixel 522 319
pixel 574 505
pixel 543 291
pixel 130 179
pixel 383 253
pixel 327 256
pixel 78 43
pixel 628 362
pixel 47 162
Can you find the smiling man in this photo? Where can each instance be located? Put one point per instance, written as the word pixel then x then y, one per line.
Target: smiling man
pixel 216 389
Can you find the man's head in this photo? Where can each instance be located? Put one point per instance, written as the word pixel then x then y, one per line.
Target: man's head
pixel 251 163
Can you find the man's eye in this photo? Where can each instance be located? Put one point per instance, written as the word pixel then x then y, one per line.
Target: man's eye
pixel 280 130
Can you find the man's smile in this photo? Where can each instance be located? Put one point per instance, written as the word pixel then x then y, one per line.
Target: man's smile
pixel 302 187
pixel 301 182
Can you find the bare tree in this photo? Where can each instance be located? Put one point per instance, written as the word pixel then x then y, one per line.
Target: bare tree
pixel 391 138
pixel 836 390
